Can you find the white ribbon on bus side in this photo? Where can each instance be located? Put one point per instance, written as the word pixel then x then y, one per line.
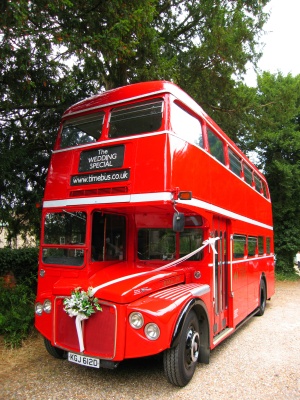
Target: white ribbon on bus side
pixel 209 242
pixel 79 318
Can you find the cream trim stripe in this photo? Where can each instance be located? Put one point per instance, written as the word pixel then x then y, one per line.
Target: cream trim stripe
pixel 145 197
pixel 129 198
pixel 223 211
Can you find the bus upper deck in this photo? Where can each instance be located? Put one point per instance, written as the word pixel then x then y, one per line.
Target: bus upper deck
pixel 151 138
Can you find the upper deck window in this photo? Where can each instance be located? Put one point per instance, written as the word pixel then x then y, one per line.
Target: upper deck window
pixel 186 126
pixel 82 130
pixel 136 118
pixel 234 163
pixel 265 190
pixel 257 182
pixel 216 146
pixel 248 174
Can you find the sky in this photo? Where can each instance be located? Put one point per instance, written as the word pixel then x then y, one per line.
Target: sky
pixel 281 42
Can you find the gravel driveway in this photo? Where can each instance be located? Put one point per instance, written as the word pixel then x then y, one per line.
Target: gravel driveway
pixel 260 361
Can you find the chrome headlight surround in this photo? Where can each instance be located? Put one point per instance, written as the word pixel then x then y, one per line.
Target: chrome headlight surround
pixel 136 320
pixel 39 308
pixel 47 306
pixel 152 331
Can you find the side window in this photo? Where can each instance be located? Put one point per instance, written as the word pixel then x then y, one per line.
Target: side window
pixel 268 243
pixel 156 244
pixel 186 126
pixel 108 237
pixel 248 174
pixel 190 240
pixel 235 164
pixel 252 244
pixel 257 183
pixel 216 146
pixel 260 245
pixel 165 244
pixel 265 190
pixel 239 244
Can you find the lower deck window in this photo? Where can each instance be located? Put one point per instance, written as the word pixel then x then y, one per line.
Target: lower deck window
pixel 252 246
pixel 63 256
pixel 165 244
pixel 239 245
pixel 260 245
pixel 108 237
pixel 64 234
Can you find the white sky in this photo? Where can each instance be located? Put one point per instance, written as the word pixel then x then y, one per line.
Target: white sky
pixel 281 42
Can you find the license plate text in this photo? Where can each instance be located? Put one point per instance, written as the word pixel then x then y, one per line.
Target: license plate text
pixel 83 360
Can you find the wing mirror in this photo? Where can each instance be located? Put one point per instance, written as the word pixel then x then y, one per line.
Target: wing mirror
pixel 178 222
pixel 178 218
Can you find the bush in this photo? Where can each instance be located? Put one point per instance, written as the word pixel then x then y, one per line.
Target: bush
pixel 16 312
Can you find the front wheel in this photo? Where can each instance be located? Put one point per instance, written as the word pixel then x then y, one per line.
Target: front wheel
pixel 180 362
pixel 54 351
pixel 262 298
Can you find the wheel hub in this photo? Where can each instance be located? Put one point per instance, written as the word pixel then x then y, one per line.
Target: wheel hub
pixel 193 344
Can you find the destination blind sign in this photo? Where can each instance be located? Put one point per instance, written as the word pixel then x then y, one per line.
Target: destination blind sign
pixel 103 158
pixel 100 177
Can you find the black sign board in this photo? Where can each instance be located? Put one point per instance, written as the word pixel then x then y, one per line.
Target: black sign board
pixel 103 158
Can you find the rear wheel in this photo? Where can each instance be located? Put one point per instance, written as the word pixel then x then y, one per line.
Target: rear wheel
pixel 54 351
pixel 262 298
pixel 180 362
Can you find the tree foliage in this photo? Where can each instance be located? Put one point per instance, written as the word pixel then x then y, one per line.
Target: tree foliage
pixel 54 53
pixel 277 141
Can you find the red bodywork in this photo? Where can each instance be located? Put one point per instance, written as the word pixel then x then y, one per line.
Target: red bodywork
pixel 160 165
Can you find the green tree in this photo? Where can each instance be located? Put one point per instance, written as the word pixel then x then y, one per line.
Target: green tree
pixel 277 140
pixel 54 53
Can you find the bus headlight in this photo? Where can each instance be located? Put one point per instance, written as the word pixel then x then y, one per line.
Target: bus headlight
pixel 38 309
pixel 47 306
pixel 152 331
pixel 136 320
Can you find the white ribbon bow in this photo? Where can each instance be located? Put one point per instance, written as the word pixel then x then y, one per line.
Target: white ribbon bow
pixel 211 243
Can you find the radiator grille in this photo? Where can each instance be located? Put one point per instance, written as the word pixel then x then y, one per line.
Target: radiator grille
pixel 99 331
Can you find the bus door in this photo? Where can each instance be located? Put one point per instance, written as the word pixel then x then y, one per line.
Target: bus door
pixel 220 275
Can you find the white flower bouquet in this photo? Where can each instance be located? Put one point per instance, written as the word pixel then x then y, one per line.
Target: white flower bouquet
pixel 81 303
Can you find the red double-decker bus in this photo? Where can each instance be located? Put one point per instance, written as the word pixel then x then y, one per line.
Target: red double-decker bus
pixel 156 233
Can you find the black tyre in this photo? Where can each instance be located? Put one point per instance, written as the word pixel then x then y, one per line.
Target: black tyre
pixel 54 351
pixel 262 298
pixel 180 362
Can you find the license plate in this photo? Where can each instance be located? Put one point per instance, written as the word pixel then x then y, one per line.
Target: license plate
pixel 84 360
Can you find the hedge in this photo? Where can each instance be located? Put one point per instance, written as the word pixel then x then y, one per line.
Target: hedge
pixel 22 262
pixel 17 294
